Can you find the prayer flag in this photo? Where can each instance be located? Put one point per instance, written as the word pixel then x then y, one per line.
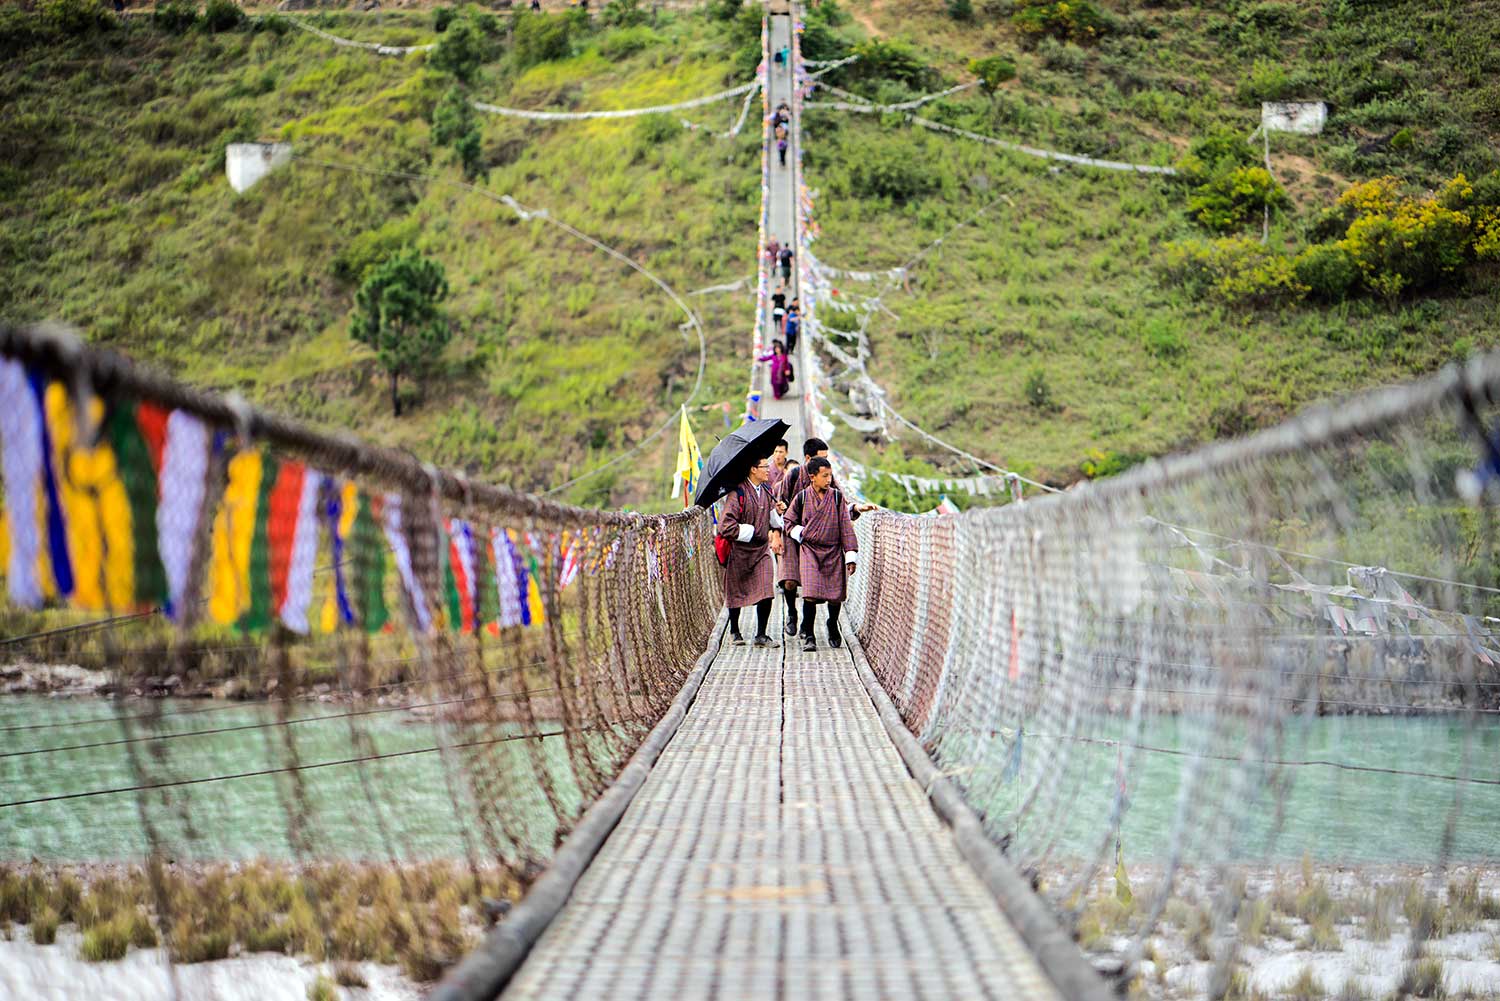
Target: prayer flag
pixel 21 452
pixel 182 483
pixel 689 462
pixel 234 527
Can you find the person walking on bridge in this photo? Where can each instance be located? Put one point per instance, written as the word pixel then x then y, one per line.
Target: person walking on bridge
pixel 819 521
pixel 778 470
pixel 781 369
pixel 786 263
pixel 793 482
pixel 752 525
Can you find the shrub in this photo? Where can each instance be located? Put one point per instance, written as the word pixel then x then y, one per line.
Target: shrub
pixel 452 117
pixel 1327 270
pixel 1234 269
pixel 622 14
pixel 653 130
pixel 992 71
pixel 1413 247
pixel 723 10
pixel 222 15
pixel 107 940
pixel 881 60
pixel 1162 339
pixel 1069 20
pixel 540 38
pixel 1217 152
pixel 175 16
pixel 1038 392
pixel 891 171
pixel 461 50
pixel 625 42
pixel 44 926
pixel 1226 202
pixel 1403 140
pixel 441 18
pixel 1268 80
pixel 960 10
pixel 73 17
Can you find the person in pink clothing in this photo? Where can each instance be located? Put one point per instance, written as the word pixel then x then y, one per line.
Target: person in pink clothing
pixel 781 369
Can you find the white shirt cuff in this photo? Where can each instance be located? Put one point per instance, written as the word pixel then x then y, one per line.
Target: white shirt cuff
pixel 776 520
pixel 852 558
pixel 796 534
pixel 747 532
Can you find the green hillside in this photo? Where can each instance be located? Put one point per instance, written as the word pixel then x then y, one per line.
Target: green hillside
pixel 117 217
pixel 1087 319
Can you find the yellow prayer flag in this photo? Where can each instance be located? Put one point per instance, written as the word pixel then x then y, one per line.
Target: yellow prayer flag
pixel 689 462
pixel 234 531
pixel 96 510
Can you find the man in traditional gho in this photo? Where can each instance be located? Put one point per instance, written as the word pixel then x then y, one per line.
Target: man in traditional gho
pixel 778 470
pixel 752 525
pixel 793 481
pixel 818 521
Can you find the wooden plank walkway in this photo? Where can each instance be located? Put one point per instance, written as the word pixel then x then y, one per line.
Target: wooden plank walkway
pixel 780 848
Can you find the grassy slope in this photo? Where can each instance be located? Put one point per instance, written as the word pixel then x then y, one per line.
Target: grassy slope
pixel 118 219
pixel 1061 277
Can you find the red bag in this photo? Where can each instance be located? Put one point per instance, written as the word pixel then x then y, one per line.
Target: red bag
pixel 721 550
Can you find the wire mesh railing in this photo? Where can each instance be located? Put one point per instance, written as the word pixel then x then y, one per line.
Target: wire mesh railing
pixel 1234 713
pixel 329 701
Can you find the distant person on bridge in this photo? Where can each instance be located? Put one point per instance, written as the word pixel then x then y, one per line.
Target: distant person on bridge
pixel 752 525
pixel 791 326
pixel 786 263
pixel 772 250
pixel 781 150
pixel 781 369
pixel 820 523
pixel 778 301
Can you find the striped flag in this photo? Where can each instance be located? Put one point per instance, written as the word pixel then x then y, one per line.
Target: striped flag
pixel 182 482
pixel 416 597
pixel 293 536
pixel 460 582
pixel 510 580
pixel 96 509
pixel 21 452
pixel 233 529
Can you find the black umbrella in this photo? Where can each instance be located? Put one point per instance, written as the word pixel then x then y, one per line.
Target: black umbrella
pixel 729 463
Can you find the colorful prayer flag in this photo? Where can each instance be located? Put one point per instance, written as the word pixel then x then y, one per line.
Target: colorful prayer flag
pixel 416 597
pixel 233 531
pixel 21 432
pixel 182 482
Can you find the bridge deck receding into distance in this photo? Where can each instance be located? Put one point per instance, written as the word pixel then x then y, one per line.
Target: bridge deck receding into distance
pixel 779 847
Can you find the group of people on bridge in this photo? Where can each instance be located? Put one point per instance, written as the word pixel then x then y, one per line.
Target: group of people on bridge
pixel 790 526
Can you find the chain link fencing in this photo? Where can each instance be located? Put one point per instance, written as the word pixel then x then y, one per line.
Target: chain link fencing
pixel 1235 713
pixel 328 700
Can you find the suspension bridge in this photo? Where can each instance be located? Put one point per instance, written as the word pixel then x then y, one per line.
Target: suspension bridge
pixel 1192 668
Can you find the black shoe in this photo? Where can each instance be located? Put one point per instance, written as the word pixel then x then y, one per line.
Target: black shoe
pixel 767 642
pixel 791 624
pixel 809 644
pixel 736 639
pixel 835 638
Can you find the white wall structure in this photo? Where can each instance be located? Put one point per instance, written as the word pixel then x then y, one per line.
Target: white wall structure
pixel 246 163
pixel 1306 117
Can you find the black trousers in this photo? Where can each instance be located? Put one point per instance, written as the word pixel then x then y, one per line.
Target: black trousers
pixel 762 618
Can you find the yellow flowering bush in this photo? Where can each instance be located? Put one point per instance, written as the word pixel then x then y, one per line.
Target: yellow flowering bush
pixel 1411 244
pixel 1234 269
pixel 1068 20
